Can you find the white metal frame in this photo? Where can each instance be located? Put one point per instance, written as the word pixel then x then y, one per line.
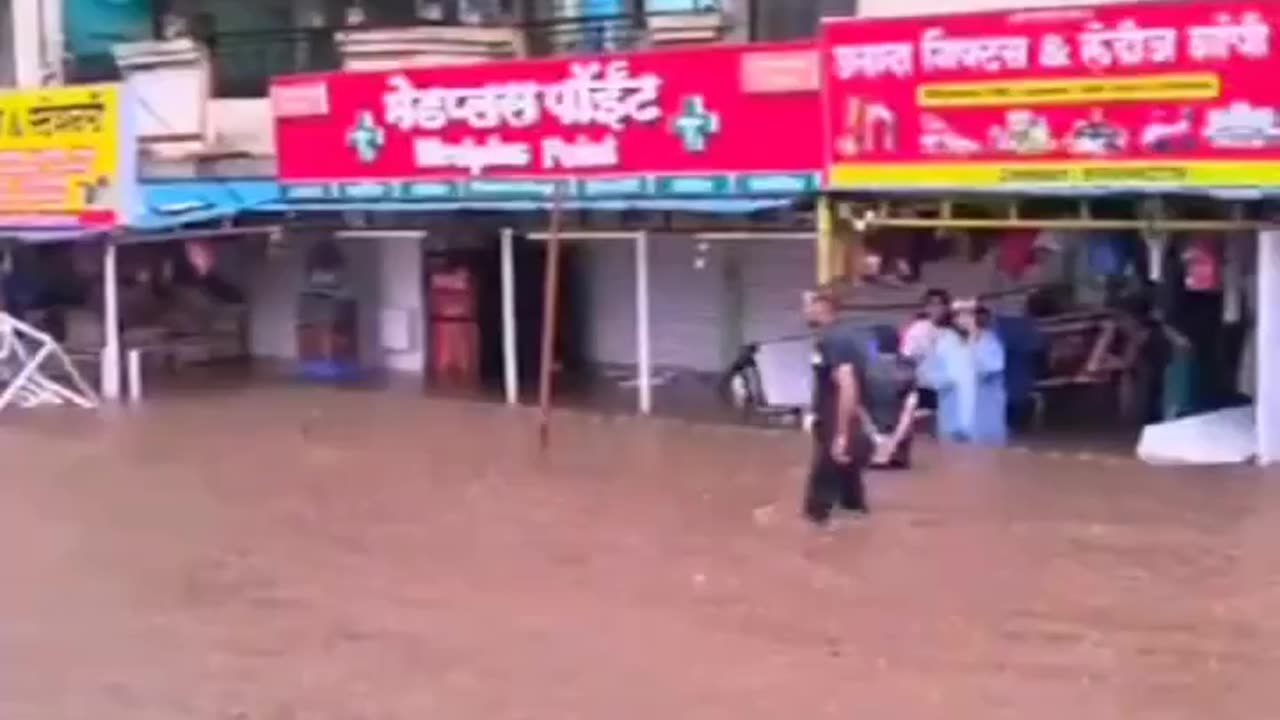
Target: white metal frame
pixel 23 351
pixel 724 235
pixel 644 350
pixel 109 361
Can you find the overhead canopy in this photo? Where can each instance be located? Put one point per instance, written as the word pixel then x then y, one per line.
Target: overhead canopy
pixel 170 204
pixel 37 236
pixel 716 206
pixel 1052 191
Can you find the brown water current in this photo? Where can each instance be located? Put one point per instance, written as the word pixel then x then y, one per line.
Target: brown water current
pixel 299 554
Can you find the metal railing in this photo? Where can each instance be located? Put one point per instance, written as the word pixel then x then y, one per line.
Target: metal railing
pixel 245 61
pixel 242 62
pixel 602 34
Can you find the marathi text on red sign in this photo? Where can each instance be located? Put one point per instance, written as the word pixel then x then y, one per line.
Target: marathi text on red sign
pixel 1125 44
pixel 601 94
pixel 1117 93
pixel 652 117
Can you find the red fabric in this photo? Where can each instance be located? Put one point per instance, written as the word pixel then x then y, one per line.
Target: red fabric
pixel 201 256
pixel 1203 266
pixel 1017 252
pixel 452 295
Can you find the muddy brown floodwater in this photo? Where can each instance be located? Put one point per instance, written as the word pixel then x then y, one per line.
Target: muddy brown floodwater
pixel 288 554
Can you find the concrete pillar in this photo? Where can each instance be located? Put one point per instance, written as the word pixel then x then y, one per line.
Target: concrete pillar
pixel 26 20
pixel 1267 344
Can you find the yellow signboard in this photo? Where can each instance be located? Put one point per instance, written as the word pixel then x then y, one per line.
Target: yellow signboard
pixel 994 175
pixel 67 157
pixel 1167 87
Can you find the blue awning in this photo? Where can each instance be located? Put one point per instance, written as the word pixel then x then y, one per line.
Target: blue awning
pixel 37 236
pixel 715 206
pixel 170 204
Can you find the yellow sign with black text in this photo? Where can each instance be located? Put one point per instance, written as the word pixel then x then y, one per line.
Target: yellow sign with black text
pixel 995 175
pixel 67 157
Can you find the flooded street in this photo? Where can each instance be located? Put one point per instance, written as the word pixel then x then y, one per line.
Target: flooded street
pixel 293 554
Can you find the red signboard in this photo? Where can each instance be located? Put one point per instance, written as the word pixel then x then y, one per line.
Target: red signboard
pixel 709 121
pixel 1117 95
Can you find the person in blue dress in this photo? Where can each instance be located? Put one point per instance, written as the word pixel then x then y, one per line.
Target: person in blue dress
pixel 966 366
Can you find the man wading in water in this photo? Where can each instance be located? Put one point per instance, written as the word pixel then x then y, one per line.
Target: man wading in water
pixel 841 447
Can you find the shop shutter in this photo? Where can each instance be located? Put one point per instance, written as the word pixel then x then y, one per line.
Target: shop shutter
pixel 686 305
pixel 775 274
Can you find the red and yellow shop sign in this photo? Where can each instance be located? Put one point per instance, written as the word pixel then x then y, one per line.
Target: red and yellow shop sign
pixel 65 157
pixel 1120 95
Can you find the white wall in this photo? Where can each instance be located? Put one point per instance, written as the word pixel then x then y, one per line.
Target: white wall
pixel 1267 347
pixel 386 273
pixel 37 40
pixel 400 278
pixel 273 301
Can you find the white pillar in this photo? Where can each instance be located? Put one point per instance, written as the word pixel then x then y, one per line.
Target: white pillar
pixel 110 361
pixel 133 373
pixel 37 41
pixel 1267 347
pixel 644 351
pixel 510 348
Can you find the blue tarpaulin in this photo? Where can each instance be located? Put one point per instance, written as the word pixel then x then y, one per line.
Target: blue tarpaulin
pixel 170 204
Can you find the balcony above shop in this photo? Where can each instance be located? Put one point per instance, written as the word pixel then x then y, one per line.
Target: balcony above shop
pixel 244 50
pixel 628 31
pixel 425 46
pixel 203 89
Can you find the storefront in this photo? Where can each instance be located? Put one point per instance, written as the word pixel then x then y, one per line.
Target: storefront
pixel 682 152
pixel 68 160
pixel 1115 163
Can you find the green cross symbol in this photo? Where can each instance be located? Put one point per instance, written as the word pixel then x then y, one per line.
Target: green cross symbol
pixel 695 124
pixel 367 138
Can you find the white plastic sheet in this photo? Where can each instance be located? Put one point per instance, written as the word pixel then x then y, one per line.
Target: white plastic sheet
pixel 786 373
pixel 1222 437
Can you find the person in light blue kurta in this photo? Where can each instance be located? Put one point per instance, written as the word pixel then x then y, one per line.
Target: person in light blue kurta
pixel 967 368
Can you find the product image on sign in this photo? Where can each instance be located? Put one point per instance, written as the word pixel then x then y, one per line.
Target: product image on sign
pixel 1137 94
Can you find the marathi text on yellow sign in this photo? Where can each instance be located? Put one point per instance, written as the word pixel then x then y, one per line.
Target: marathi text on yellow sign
pixel 60 151
pixel 1071 91
pixel 992 176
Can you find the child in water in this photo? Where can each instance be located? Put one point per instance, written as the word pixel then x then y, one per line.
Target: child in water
pixel 890 401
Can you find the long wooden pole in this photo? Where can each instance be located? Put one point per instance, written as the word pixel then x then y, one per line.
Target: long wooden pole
pixel 550 301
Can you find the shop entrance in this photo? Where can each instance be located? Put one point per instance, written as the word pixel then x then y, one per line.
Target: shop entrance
pixel 1115 316
pixel 463 294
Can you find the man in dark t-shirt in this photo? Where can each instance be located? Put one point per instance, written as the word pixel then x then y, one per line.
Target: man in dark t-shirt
pixel 841 447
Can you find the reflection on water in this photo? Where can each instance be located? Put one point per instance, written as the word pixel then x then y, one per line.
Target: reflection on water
pixel 286 552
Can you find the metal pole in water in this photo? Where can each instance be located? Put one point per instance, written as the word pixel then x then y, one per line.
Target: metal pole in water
pixel 550 298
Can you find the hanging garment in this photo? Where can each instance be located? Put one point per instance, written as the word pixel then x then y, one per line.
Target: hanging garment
pixel 1203 265
pixel 1104 257
pixel 201 255
pixel 1016 253
pixel 1247 378
pixel 1023 342
pixel 1179 385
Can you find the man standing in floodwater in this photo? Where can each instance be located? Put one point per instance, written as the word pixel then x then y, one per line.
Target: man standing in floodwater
pixel 840 446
